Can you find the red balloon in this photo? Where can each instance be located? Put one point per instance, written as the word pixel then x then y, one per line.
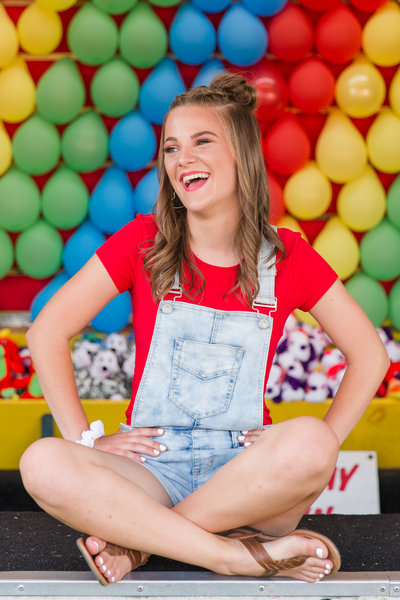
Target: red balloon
pixel 277 203
pixel 312 86
pixel 290 33
pixel 319 4
pixel 368 5
pixel 286 147
pixel 272 91
pixel 338 35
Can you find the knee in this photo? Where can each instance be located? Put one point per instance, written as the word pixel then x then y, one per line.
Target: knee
pixel 310 447
pixel 41 468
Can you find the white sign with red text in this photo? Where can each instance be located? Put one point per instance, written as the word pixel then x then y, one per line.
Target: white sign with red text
pixel 353 488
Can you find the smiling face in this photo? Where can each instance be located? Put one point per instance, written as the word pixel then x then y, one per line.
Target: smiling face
pixel 199 162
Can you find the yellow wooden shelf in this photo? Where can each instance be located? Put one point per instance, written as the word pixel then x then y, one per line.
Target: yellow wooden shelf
pixel 20 425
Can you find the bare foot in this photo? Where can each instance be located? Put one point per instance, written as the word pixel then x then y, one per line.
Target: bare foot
pixel 114 561
pixel 313 569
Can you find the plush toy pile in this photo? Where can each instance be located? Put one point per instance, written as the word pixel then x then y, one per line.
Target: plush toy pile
pixel 104 367
pixel 17 375
pixel 308 367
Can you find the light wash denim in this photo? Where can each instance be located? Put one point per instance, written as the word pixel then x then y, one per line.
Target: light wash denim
pixel 203 383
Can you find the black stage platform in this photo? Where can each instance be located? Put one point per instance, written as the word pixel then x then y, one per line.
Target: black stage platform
pixel 30 540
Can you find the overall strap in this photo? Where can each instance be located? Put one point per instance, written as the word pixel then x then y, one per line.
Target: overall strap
pixel 266 277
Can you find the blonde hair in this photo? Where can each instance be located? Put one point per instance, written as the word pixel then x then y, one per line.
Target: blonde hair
pixel 234 100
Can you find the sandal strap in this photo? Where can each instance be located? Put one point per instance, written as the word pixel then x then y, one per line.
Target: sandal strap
pixel 271 566
pixel 136 558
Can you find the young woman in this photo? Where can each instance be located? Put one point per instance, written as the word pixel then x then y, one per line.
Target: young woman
pixel 198 474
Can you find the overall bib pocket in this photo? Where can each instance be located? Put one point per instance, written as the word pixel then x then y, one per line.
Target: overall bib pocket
pixel 203 376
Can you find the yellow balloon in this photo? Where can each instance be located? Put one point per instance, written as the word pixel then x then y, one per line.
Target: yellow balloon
pixel 305 317
pixel 339 247
pixel 8 38
pixel 289 222
pixel 307 193
pixel 383 141
pixel 381 35
pixel 340 151
pixel 394 93
pixel 57 5
pixel 17 92
pixel 40 30
pixel 361 203
pixel 360 89
pixel 5 150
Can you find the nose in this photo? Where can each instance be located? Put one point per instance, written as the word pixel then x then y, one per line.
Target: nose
pixel 186 155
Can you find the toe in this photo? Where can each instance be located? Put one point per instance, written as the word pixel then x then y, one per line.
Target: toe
pixel 95 544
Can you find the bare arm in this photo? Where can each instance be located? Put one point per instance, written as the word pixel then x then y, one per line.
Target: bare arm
pixel 65 315
pixel 353 333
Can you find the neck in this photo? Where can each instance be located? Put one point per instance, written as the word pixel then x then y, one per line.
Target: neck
pixel 214 240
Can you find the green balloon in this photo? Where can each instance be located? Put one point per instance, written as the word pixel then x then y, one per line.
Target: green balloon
pixel 115 88
pixel 6 253
pixel 19 200
pixel 92 35
pixel 61 94
pixel 394 305
pixel 84 144
pixel 380 251
pixel 65 199
pixel 370 295
pixel 38 250
pixel 115 7
pixel 165 2
pixel 36 146
pixel 143 37
pixel 393 203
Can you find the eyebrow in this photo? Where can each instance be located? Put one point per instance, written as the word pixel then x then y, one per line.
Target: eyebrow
pixel 195 135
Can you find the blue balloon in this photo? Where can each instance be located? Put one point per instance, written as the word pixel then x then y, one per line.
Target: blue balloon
pixel 242 37
pixel 115 315
pixel 208 71
pixel 146 193
pixel 263 8
pixel 112 201
pixel 211 6
pixel 192 37
pixel 132 142
pixel 81 246
pixel 159 90
pixel 46 293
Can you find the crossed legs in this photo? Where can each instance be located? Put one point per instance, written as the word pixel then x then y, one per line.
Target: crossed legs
pixel 268 486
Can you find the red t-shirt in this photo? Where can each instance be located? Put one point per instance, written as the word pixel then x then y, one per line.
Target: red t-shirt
pixel 302 278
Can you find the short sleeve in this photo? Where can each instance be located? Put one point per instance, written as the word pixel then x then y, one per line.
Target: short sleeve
pixel 119 254
pixel 311 275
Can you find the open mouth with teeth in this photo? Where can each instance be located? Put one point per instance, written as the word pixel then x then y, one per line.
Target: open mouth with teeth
pixel 193 181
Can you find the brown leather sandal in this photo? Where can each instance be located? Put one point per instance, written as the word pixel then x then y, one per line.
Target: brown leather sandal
pixel 135 556
pixel 252 540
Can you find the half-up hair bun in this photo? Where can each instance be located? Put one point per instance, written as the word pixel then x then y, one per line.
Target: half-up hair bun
pixel 236 89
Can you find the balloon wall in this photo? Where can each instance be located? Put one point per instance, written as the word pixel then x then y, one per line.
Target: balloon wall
pixel 84 88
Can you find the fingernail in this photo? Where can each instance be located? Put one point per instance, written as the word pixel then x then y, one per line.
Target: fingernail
pixel 160 431
pixel 244 432
pixel 162 447
pixel 142 458
pixel 156 452
pixel 241 438
pixel 319 552
pixel 247 444
pixel 101 561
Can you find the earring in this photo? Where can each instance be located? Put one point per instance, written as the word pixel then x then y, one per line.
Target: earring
pixel 175 197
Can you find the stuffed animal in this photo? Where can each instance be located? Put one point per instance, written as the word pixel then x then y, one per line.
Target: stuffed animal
pixel 118 343
pixel 334 366
pixel 316 389
pixel 273 390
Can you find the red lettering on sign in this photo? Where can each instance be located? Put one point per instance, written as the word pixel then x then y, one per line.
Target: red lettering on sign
pixel 345 477
pixel 332 480
pixel 320 511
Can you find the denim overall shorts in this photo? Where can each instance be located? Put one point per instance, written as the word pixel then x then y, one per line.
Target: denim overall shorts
pixel 203 383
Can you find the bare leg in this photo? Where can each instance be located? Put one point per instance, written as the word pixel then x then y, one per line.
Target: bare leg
pixel 253 487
